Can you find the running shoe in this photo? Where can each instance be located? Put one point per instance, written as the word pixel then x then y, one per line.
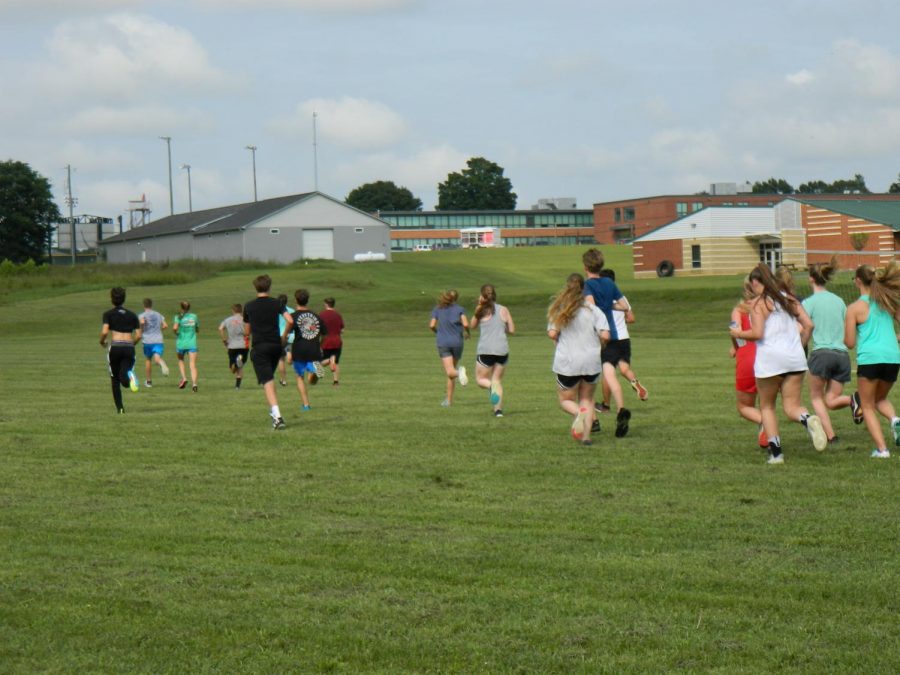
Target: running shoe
pixel 881 454
pixel 148 384
pixel 816 433
pixel 856 408
pixel 775 459
pixel 601 408
pixel 283 383
pixel 239 361
pixel 182 384
pixel 312 377
pixel 587 441
pixel 278 424
pixel 121 411
pixel 895 427
pixel 306 408
pixel 495 397
pixel 463 378
pixel 622 419
pixel 319 370
pixel 641 390
pixel 763 439
pixel 445 403
pixel 595 426
pixel 165 369
pixel 194 388
pixel 578 424
pixel 498 413
pixel 132 381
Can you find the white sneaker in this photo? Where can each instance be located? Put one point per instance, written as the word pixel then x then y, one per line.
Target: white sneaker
pixel 776 459
pixel 816 433
pixel 239 362
pixel 165 369
pixel 895 427
pixel 578 424
pixel 463 378
pixel 881 454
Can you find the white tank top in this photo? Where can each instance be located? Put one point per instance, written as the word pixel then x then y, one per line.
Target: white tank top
pixel 780 351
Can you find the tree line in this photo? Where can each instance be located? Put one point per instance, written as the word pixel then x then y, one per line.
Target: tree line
pixel 855 185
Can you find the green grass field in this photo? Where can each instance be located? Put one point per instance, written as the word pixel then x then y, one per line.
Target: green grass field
pixel 383 533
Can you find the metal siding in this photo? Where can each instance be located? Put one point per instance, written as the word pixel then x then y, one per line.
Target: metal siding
pixel 318 244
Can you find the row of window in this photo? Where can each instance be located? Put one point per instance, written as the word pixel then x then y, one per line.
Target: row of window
pixel 769 254
pixel 626 213
pixel 432 221
pixel 410 244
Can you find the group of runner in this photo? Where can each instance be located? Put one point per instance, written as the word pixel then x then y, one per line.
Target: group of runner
pixel 305 339
pixel 581 318
pixel 771 330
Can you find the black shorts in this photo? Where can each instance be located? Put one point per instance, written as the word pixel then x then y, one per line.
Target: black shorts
pixel 328 353
pixel 886 372
pixel 265 358
pixel 566 382
pixel 491 360
pixel 615 351
pixel 233 354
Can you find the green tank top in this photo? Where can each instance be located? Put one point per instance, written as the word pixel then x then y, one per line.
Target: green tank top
pixel 877 341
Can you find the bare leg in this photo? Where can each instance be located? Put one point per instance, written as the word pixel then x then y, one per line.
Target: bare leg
pixel 181 367
pixel 615 389
pixel 768 388
pixel 193 362
pixel 449 364
pixel 301 387
pixel 746 407
pixel 817 388
pixel 586 402
pixel 868 396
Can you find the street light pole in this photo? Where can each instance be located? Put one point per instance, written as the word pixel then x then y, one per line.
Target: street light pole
pixel 187 167
pixel 252 149
pixel 168 140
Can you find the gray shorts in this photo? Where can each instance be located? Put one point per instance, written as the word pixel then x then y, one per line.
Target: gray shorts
pixel 455 351
pixel 830 364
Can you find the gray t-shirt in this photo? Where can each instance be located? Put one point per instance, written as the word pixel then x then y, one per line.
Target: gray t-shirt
pixel 152 322
pixel 449 325
pixel 234 329
pixel 492 338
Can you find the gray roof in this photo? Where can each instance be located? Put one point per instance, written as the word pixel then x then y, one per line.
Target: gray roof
pixel 220 219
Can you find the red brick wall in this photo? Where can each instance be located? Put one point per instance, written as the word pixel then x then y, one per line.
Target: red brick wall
pixel 830 231
pixel 654 252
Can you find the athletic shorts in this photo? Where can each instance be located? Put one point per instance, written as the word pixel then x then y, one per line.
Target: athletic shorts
pixel 491 360
pixel 151 349
pixel 328 353
pixel 189 350
pixel 120 359
pixel 301 367
pixel 615 351
pixel 265 358
pixel 566 382
pixel 234 353
pixel 455 352
pixel 830 364
pixel 886 372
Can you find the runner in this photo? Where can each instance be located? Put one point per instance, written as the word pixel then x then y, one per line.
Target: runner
pixel 152 326
pixel 829 361
pixel 123 329
pixel 186 327
pixel 495 325
pixel 578 328
pixel 744 354
pixel 870 328
pixel 448 321
pixel 333 342
pixel 306 351
pixel 232 332
pixel 780 362
pixel 261 322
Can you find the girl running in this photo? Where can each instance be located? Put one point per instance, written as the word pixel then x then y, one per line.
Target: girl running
pixel 578 329
pixel 869 327
pixel 744 354
pixel 780 362
pixel 186 327
pixel 448 321
pixel 829 361
pixel 495 324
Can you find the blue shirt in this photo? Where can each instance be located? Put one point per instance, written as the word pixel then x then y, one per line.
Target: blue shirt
pixel 449 325
pixel 605 293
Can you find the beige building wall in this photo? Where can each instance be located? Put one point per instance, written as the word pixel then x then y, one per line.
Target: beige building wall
pixel 720 255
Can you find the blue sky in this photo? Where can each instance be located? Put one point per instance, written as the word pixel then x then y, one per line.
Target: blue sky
pixel 594 100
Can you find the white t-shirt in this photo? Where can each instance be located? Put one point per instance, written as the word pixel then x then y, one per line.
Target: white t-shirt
pixel 780 350
pixel 578 344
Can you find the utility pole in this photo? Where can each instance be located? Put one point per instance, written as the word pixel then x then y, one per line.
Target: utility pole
pixel 187 167
pixel 315 156
pixel 70 200
pixel 168 140
pixel 252 149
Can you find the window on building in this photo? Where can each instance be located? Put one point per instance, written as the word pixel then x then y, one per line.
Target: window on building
pixel 618 217
pixel 770 254
pixel 628 213
pixel 696 206
pixel 681 209
pixel 695 256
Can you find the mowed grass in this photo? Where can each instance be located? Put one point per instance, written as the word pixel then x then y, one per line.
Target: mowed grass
pixel 383 533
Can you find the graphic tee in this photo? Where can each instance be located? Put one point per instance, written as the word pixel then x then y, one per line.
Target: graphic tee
pixel 187 326
pixel 308 331
pixel 234 329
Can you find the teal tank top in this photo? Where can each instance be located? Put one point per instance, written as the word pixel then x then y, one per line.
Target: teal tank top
pixel 877 341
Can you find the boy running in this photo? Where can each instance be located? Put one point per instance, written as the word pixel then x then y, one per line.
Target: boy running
pixel 332 343
pixel 232 332
pixel 124 329
pixel 152 326
pixel 306 352
pixel 261 322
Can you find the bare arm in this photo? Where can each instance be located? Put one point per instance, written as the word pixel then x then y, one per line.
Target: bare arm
pixel 759 312
pixel 104 333
pixel 806 325
pixel 553 334
pixel 465 324
pixel 433 325
pixel 510 326
pixel 853 319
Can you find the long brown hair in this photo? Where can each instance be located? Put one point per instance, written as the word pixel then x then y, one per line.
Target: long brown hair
pixel 773 289
pixel 486 302
pixel 883 285
pixel 747 297
pixel 567 302
pixel 448 297
pixel 821 273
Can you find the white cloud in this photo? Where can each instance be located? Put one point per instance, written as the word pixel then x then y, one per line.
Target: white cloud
pixel 127 56
pixel 799 78
pixel 348 122
pixel 132 121
pixel 35 7
pixel 867 70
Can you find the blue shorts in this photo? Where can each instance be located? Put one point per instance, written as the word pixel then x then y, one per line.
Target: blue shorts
pixel 301 367
pixel 150 350
pixel 189 350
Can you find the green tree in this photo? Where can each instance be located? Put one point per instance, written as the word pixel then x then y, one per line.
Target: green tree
pixel 817 187
pixel 481 186
pixel 773 186
pixel 895 187
pixel 27 213
pixel 383 195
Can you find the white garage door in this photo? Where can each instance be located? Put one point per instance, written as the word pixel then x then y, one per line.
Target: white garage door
pixel 318 244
